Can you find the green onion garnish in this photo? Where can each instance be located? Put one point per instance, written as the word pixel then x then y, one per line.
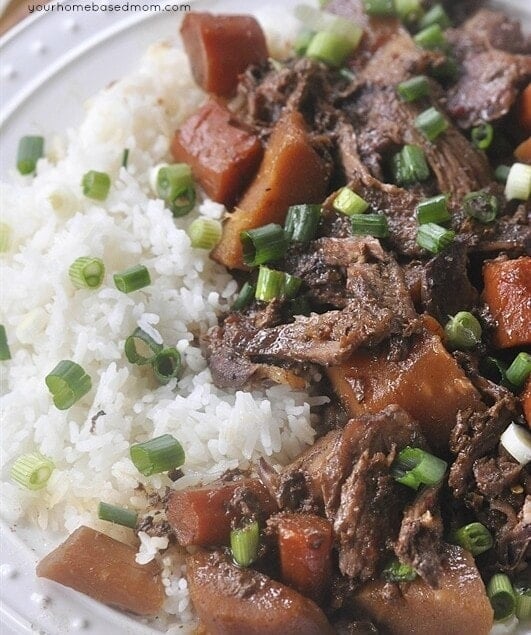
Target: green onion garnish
pixel 204 233
pixel 349 203
pixel 117 515
pixel 329 47
pixel 175 186
pixel 302 222
pixel 96 185
pixel 410 166
pixel 302 41
pixel 86 272
pixel 519 370
pixel 463 330
pixel 132 279
pixel 167 365
pixel 30 150
pixel 431 123
pixel 518 185
pixel 292 284
pixel 435 15
pixel 125 158
pixel 501 173
pixel 448 70
pixel 244 544
pixel 157 455
pixel 482 136
pixel 434 238
pixel 474 537
pixel 5 353
pixel 273 284
pixel 5 237
pixel 523 600
pixel 481 205
pixel 408 10
pixel 395 571
pixel 379 7
pixel 263 244
pixel 501 595
pixel 32 471
pixel 140 348
pixel 370 225
pixel 432 37
pixel 433 210
pixel 245 297
pixel 67 383
pixel 414 88
pixel 415 467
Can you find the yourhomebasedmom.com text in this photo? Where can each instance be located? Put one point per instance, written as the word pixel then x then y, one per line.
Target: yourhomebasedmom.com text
pixel 111 7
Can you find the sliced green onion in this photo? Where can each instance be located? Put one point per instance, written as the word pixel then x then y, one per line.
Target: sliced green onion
pixel 517 441
pixel 67 383
pixel 481 205
pixel 263 244
pixel 204 233
pixel 501 173
pixel 370 225
pixel 501 596
pixel 30 150
pixel 463 330
pixel 408 10
pixel 474 537
pixel 435 15
pixel 244 543
pixel 519 370
pixel 157 455
pixel 125 158
pixel 379 7
pixel 433 210
pixel 410 166
pixel 175 186
pixel 5 353
pixel 329 47
pixel 273 284
pixel 395 571
pixel 347 74
pixel 292 284
pixel 302 222
pixel 245 297
pixel 5 237
pixel 96 185
pixel 317 20
pixel 86 272
pixel 349 203
pixel 415 467
pixel 117 515
pixel 482 136
pixel 32 471
pixel 448 70
pixel 434 238
pixel 414 88
pixel 432 37
pixel 302 41
pixel 518 184
pixel 431 123
pixel 140 348
pixel 523 601
pixel 167 365
pixel 132 279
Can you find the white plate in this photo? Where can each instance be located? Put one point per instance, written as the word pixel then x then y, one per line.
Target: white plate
pixel 49 65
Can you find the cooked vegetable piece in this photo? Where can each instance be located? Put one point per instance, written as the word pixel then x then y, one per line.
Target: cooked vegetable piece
pixel 473 537
pixel 463 330
pixel 522 151
pixel 96 185
pixel 157 455
pixel 5 353
pixel 117 515
pixel 267 199
pixel 518 184
pixel 432 37
pixel 32 471
pixel 220 47
pixel 526 402
pixel 370 225
pixel 305 549
pixel 264 244
pixel 428 383
pixel 67 383
pixel 222 154
pixel 431 123
pixel 501 595
pixel 140 348
pixel 204 233
pixel 506 292
pixel 244 543
pixel 167 365
pixel 302 222
pixel 481 205
pixel 245 297
pixel 105 569
pixel 436 15
pixel 266 606
pixel 132 279
pixel 414 88
pixel 202 516
pixel 30 150
pixel 86 272
pixel 418 609
pixel 482 136
pixel 517 441
pixel 415 467
pixel 519 370
pixel 397 572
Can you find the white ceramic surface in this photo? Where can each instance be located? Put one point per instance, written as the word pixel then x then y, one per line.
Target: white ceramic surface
pixel 49 65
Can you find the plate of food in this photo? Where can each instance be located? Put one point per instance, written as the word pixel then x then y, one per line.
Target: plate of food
pixel 265 321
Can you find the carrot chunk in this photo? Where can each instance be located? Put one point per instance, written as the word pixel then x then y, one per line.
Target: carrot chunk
pixel 523 151
pixel 105 569
pixel 291 172
pixel 223 156
pixel 507 293
pixel 221 47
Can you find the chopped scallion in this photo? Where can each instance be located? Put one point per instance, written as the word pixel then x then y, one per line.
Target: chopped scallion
pixel 292 284
pixel 317 20
pixel 30 150
pixel 434 238
pixel 433 210
pixel 349 203
pixel 432 37
pixel 273 285
pixel 447 70
pixel 132 279
pixel 410 166
pixel 501 173
pixel 5 353
pixel 5 237
pixel 408 11
pixel 415 467
pixel 482 136
pixel 174 184
pixel 379 7
pixel 86 272
pixel 463 331
pixel 518 185
pixel 517 441
pixel 370 225
pixel 501 595
pixel 302 222
pixel 125 158
pixel 244 543
pixel 32 471
pixel 167 365
pixel 414 88
pixel 435 15
pixel 117 515
pixel 157 455
pixel 474 537
pixel 395 571
pixel 302 41
pixel 519 370
pixel 481 205
pixel 204 233
pixel 263 244
pixel 140 348
pixel 523 601
pixel 431 123
pixel 245 297
pixel 96 185
pixel 329 47
pixel 67 383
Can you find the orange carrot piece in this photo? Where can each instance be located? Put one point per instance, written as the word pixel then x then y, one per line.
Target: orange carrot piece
pixel 106 570
pixel 523 151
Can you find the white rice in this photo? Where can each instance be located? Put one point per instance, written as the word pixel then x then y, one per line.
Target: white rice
pixel 48 320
